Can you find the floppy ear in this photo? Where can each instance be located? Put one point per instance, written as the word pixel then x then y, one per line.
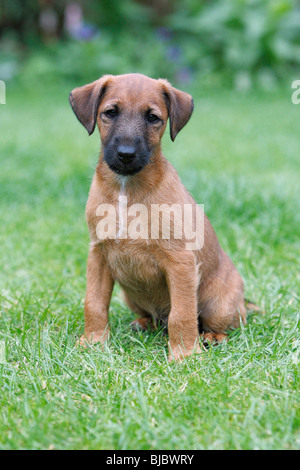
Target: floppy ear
pixel 85 101
pixel 180 107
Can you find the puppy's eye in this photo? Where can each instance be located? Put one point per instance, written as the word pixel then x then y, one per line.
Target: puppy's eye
pixel 152 118
pixel 112 112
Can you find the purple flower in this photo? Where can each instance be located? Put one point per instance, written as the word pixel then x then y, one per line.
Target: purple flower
pixel 184 75
pixel 164 34
pixel 86 32
pixel 174 53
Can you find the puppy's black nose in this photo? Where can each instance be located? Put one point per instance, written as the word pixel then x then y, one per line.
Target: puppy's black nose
pixel 126 153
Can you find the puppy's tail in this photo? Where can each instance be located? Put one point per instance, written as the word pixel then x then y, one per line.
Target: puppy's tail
pixel 252 307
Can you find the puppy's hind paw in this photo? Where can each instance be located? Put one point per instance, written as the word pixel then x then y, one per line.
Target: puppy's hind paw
pixel 210 338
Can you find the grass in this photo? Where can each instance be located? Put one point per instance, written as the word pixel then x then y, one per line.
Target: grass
pixel 239 155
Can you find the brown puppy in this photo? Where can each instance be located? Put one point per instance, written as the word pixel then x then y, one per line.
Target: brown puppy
pixel 187 286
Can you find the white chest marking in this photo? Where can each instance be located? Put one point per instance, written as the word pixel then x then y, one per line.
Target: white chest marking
pixel 122 212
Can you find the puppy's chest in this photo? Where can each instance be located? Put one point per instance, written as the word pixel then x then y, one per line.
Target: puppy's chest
pixel 131 264
pixel 128 248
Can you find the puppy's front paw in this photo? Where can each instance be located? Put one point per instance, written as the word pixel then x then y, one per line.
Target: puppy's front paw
pixel 89 339
pixel 179 353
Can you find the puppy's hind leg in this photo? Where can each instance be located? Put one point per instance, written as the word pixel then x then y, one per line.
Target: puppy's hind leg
pixel 222 306
pixel 218 318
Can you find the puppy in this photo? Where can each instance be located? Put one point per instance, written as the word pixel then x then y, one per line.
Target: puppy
pixel 190 287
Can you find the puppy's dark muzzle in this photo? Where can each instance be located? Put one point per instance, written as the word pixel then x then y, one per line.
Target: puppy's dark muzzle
pixel 126 153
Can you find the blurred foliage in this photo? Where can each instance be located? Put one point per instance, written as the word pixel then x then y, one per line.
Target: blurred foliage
pixel 244 40
pixel 239 36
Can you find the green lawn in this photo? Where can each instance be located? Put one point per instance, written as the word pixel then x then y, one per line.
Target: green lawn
pixel 239 156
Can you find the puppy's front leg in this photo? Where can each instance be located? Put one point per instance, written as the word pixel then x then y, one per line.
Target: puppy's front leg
pixel 98 294
pixel 182 322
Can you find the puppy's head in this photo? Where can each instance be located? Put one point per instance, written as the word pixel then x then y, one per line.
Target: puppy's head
pixel 131 112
